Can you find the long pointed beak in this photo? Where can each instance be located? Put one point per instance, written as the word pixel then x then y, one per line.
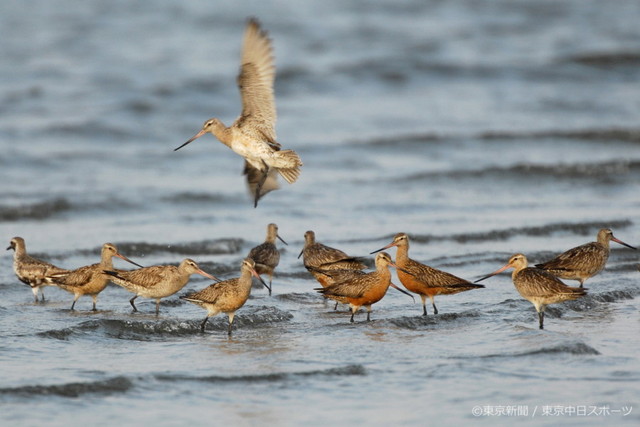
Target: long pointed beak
pixel 390 245
pixel 255 273
pixel 119 255
pixel 500 270
pixel 300 254
pixel 282 240
pixel 208 276
pixel 9 248
pixel 402 290
pixel 622 243
pixel 193 138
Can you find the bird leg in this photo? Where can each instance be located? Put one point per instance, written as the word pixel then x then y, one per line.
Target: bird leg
pixel 260 184
pixel 204 322
pixel 353 312
pixel 336 306
pixel 74 302
pixel 231 316
pixel 369 314
pixel 541 318
pixel 42 295
pixel 424 304
pixel 158 307
pixel 95 299
pixel 132 304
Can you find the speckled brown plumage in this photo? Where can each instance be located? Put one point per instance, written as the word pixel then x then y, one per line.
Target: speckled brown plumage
pixel 358 288
pixel 424 280
pixel 227 296
pixel 266 255
pixel 253 135
pixel 158 281
pixel 317 256
pixel 537 286
pixel 584 261
pixel 29 270
pixel 90 279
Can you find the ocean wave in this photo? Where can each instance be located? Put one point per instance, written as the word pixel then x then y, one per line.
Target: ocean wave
pixel 594 134
pixel 193 198
pixel 349 370
pixel 576 348
pixel 306 298
pixel 204 247
pixel 607 59
pixel 38 210
pixel 90 129
pixel 419 322
pixel 105 387
pixel 155 329
pixel 257 317
pixel 606 172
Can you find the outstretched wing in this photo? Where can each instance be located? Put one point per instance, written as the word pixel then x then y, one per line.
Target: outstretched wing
pixel 256 79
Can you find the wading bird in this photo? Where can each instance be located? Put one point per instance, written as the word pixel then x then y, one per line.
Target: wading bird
pixel 158 281
pixel 266 255
pixel 422 279
pixel 584 261
pixel 29 270
pixel 227 296
pixel 537 286
pixel 90 279
pixel 362 289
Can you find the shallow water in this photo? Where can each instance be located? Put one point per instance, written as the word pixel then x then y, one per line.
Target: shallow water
pixel 479 129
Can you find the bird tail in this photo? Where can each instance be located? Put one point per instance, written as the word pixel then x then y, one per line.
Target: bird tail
pixel 288 165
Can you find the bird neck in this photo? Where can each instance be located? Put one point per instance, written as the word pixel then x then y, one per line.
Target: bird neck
pixel 402 254
pixel 222 132
pixel 107 262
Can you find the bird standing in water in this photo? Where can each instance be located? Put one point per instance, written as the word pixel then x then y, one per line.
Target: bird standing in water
pixel 90 279
pixel 29 270
pixel 358 289
pixel 537 286
pixel 266 255
pixel 253 135
pixel 424 280
pixel 226 296
pixel 584 261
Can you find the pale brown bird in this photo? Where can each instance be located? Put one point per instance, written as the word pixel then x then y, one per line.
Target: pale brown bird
pixel 266 255
pixel 253 134
pixel 29 270
pixel 227 296
pixel 317 256
pixel 584 261
pixel 537 286
pixel 91 279
pixel 361 289
pixel 158 281
pixel 424 280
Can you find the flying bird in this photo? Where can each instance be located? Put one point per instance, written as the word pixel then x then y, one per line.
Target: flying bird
pixel 253 134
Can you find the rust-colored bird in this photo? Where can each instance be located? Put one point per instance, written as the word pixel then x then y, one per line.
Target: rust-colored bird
pixel 91 279
pixel 266 255
pixel 253 135
pixel 422 279
pixel 227 296
pixel 158 281
pixel 537 286
pixel 361 289
pixel 29 270
pixel 317 256
pixel 584 261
